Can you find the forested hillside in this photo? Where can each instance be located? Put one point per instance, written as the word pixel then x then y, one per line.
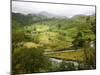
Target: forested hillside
pixel 38 38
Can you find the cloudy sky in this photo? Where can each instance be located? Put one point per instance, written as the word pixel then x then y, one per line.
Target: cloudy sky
pixel 57 9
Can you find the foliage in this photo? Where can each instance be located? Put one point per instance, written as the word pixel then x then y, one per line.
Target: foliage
pixel 78 41
pixel 33 35
pixel 29 60
pixel 66 66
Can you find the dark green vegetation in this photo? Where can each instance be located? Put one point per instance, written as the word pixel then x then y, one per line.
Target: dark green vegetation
pixel 37 38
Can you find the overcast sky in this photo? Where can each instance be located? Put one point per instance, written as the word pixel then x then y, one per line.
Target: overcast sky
pixel 57 9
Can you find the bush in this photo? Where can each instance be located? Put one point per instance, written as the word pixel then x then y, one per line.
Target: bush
pixel 29 60
pixel 66 66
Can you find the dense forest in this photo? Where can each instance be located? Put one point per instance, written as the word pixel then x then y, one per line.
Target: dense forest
pixel 42 43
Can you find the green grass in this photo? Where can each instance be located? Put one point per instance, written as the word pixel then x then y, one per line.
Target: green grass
pixel 73 56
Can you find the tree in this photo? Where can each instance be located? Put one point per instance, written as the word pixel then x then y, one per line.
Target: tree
pixel 29 60
pixel 92 21
pixel 78 41
pixel 59 26
pixel 89 53
pixel 17 37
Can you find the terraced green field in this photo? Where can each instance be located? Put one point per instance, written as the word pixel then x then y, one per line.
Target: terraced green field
pixel 71 56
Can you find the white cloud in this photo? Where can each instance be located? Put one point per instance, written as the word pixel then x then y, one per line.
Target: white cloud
pixel 58 9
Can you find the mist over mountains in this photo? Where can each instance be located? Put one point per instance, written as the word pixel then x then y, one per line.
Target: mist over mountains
pixel 48 15
pixel 52 10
